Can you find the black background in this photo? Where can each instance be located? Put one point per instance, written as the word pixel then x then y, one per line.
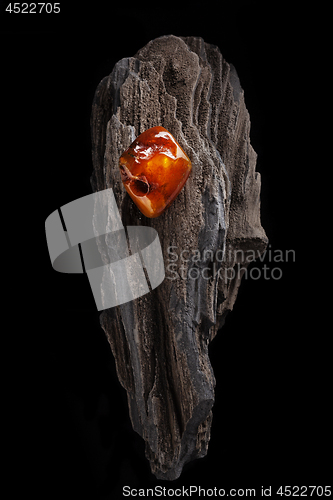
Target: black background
pixel 269 425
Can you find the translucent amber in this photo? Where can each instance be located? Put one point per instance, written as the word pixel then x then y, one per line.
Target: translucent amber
pixel 154 170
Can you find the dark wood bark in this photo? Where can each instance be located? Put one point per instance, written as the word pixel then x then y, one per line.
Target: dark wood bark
pixel 160 341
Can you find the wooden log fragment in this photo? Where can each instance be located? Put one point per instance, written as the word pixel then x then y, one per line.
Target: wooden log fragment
pixel 160 340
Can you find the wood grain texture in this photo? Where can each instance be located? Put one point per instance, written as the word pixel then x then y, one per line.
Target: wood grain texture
pixel 160 341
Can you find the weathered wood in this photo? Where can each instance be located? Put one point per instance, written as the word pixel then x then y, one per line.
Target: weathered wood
pixel 160 341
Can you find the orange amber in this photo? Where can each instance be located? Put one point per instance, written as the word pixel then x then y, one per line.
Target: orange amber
pixel 154 170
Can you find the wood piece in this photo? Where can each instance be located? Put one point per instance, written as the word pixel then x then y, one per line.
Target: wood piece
pixel 160 341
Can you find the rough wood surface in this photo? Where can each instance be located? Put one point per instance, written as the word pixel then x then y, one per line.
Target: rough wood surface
pixel 160 341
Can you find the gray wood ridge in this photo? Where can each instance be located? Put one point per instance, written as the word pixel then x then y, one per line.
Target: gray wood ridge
pixel 160 340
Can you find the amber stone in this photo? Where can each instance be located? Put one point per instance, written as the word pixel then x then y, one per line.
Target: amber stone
pixel 154 170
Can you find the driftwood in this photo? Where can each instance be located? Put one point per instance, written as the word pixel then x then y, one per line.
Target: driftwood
pixel 160 340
